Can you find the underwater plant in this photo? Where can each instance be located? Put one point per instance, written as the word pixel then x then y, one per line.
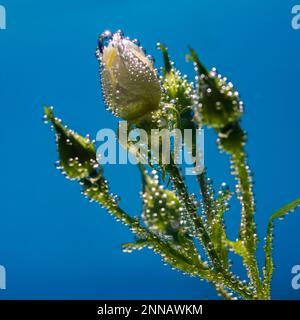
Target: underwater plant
pixel 173 222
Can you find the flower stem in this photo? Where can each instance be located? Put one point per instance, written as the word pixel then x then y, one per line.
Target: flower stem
pixel 229 280
pixel 201 178
pixel 248 228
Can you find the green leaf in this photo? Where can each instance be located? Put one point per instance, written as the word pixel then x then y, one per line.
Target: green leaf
pixel 170 254
pixel 167 62
pixel 194 58
pixel 218 232
pixel 139 245
pixel 238 247
pixel 214 210
pixel 77 154
pixel 269 265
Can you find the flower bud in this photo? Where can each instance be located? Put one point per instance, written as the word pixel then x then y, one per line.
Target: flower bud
pixel 176 87
pixel 162 210
pixel 77 154
pixel 219 103
pixel 130 84
pixel 232 139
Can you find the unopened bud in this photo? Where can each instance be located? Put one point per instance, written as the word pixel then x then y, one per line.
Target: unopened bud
pixel 130 84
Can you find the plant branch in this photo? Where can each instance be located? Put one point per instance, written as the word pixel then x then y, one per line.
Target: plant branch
pixel 201 178
pixel 248 228
pixel 229 280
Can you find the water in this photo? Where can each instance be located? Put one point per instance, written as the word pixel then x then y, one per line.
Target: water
pixel 54 243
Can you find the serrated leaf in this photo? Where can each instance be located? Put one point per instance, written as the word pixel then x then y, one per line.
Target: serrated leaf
pixel 269 265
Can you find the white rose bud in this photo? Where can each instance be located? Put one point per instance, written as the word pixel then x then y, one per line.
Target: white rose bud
pixel 130 84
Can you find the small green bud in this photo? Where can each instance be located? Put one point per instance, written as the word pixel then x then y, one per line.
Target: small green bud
pixel 130 84
pixel 162 209
pixel 176 87
pixel 218 102
pixel 77 154
pixel 232 139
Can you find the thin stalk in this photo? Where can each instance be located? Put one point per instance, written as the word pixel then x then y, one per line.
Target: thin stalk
pixel 248 227
pixel 224 293
pixel 203 235
pixel 98 191
pixel 201 178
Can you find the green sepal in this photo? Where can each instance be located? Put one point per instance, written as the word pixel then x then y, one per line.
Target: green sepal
pixel 218 101
pixel 176 87
pixel 77 154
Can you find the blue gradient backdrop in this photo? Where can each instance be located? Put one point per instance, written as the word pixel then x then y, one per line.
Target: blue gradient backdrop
pixel 53 242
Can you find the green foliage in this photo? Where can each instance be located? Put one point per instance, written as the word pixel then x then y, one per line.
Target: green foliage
pixel 162 209
pixel 173 222
pixel 217 225
pixel 220 108
pixel 269 265
pixel 165 216
pixel 77 155
pixel 232 138
pixel 177 89
pixel 219 103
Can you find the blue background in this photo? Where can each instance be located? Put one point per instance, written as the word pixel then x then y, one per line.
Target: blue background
pixel 53 242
